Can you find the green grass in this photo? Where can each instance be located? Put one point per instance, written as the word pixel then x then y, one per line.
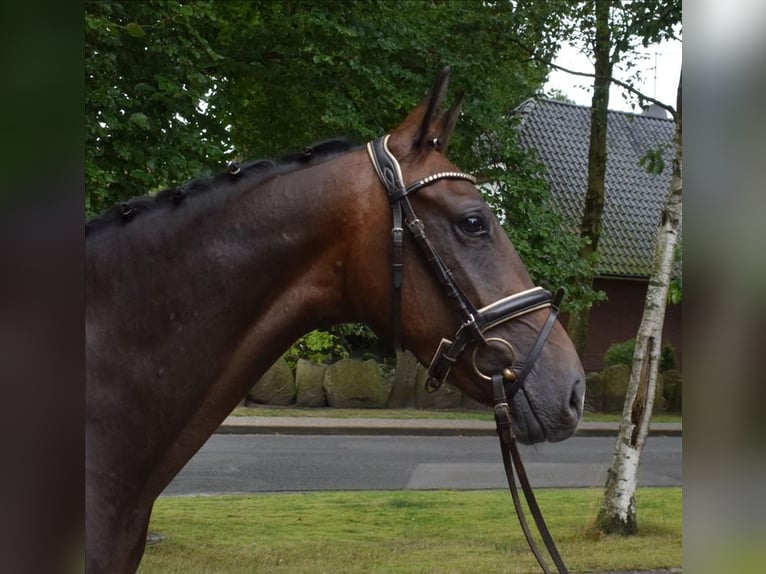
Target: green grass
pixel 400 532
pixel 616 417
pixel 409 414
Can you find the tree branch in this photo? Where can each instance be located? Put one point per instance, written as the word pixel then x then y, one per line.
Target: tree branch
pixel 670 109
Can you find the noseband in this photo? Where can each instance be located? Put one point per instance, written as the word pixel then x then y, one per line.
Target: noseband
pixel 474 322
pixel 471 334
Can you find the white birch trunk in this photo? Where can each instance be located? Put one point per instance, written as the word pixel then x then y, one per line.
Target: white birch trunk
pixel 618 507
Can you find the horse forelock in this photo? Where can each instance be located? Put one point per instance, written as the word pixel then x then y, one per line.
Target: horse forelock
pixel 254 172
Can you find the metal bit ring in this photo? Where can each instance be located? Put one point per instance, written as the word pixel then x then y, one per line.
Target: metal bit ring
pixel 490 340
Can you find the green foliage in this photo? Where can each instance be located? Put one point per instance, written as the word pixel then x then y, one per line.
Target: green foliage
pixel 174 90
pixel 316 346
pixel 148 66
pixel 653 160
pixel 520 196
pixel 668 360
pixel 329 345
pixel 675 289
pixel 620 353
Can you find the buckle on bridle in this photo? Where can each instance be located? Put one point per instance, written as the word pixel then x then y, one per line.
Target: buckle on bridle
pixel 441 364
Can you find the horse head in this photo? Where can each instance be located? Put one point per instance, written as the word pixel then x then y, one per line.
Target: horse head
pixel 460 296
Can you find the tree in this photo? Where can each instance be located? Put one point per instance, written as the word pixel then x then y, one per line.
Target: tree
pixel 612 29
pixel 617 513
pixel 176 89
pixel 520 195
pixel 593 208
pixel 147 69
pixel 647 22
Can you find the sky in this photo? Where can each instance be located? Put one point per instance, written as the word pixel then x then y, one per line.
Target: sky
pixel 658 72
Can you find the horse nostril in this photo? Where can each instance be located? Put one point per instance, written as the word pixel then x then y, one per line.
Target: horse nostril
pixel 576 398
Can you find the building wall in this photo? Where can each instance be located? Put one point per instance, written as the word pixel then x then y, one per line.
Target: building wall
pixel 618 318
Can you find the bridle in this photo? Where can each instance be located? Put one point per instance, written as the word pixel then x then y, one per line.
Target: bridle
pixel 474 324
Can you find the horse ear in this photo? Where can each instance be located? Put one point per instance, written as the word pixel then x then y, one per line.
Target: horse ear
pixel 445 125
pixel 413 133
pixel 434 99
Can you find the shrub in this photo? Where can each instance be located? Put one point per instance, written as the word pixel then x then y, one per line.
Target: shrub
pixel 620 353
pixel 668 360
pixel 318 347
pixel 335 343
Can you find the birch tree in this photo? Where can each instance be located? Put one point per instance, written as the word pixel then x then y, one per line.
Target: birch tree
pixel 617 513
pixel 650 22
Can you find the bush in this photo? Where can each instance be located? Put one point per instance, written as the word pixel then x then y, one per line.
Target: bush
pixel 620 353
pixel 337 342
pixel 668 361
pixel 318 347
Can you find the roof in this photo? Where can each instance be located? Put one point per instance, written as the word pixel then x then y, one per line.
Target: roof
pixel 634 198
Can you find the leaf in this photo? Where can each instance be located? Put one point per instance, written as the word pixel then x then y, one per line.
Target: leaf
pixel 140 120
pixel 652 161
pixel 135 30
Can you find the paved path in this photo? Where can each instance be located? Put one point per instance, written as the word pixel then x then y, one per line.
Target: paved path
pixel 237 463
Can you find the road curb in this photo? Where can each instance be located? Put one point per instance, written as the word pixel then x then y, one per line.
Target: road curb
pixel 401 427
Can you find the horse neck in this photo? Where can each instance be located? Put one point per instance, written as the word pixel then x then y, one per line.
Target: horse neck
pixel 226 289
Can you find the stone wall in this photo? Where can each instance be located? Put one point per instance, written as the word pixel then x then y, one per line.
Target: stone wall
pixel 606 390
pixel 275 387
pixel 351 383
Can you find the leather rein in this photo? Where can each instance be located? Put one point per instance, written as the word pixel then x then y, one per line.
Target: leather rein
pixel 471 333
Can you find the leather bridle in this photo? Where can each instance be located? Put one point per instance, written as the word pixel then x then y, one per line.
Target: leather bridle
pixel 474 324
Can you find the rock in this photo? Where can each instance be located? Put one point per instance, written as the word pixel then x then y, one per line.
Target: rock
pixel 402 394
pixel 616 379
pixel 308 383
pixel 594 392
pixel 447 397
pixel 355 384
pixel 275 387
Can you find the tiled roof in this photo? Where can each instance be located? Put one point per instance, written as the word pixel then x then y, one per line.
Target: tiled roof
pixel 634 198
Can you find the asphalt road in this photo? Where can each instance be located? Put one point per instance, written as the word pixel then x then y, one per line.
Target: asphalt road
pixel 278 463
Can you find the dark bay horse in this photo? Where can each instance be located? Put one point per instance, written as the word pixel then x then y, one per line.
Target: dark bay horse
pixel 191 295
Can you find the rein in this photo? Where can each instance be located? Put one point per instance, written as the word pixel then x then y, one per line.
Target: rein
pixel 471 333
pixel 512 459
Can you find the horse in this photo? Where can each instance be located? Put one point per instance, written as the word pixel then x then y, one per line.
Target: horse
pixel 192 294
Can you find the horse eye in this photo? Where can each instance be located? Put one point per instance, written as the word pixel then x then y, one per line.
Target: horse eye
pixel 473 225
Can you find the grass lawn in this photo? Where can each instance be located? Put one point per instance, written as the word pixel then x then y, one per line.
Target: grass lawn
pixel 398 532
pixel 410 414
